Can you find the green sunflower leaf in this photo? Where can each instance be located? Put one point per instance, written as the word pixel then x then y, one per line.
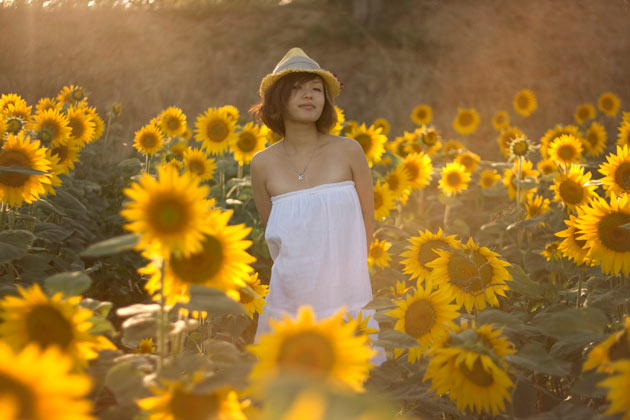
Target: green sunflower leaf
pixel 112 246
pixel 71 283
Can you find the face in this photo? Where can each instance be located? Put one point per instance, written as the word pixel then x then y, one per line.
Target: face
pixel 306 101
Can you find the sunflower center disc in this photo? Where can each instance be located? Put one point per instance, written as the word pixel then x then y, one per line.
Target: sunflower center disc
pixel 172 124
pixel 22 395
pixel 246 142
pixel 520 148
pixel 478 374
pixel 365 141
pixel 523 102
pixel 393 182
pixel 217 131
pixel 466 161
pixel 47 326
pixel 419 318
pixel 611 234
pixel 148 141
pixel 465 119
pixel 571 192
pixel 378 200
pixel 13 158
pixel 245 297
pixel 376 252
pixel 62 152
pixel 14 125
pixel 607 104
pixel 196 167
pixel 77 127
pixel 465 274
pixel 167 214
pixel 426 252
pixel 201 267
pixel 583 114
pixel 593 139
pixel 307 350
pixel 622 176
pixel 430 139
pixel 567 152
pixel 190 406
pixel 421 114
pixel 412 169
pixel 620 349
pixel 453 179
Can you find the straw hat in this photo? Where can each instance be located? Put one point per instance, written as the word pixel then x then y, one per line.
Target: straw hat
pixel 295 61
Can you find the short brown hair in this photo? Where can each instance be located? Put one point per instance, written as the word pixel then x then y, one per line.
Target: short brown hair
pixel 271 107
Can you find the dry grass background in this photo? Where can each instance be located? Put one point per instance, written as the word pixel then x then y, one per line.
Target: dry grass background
pixel 449 54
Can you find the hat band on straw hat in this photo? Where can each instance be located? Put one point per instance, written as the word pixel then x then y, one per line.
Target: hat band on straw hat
pixel 297 63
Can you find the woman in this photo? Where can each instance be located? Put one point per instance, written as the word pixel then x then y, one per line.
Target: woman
pixel 314 193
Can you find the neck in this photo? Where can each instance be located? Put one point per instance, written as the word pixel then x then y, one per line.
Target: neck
pixel 300 137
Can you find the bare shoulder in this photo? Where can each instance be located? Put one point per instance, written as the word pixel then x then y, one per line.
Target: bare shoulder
pixel 264 158
pixel 345 144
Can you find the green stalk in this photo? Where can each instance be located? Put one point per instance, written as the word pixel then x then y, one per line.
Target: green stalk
pixel 579 291
pixel 161 327
pixel 222 178
pixel 3 216
pixel 518 185
pixel 109 123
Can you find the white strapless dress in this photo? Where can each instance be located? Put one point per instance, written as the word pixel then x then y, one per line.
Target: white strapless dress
pixel 316 238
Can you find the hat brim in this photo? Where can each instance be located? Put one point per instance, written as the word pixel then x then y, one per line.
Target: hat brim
pixel 334 88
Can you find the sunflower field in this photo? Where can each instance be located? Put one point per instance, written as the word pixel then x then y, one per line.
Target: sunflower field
pixel 131 290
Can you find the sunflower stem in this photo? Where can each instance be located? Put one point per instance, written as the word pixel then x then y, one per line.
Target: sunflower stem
pixel 222 178
pixel 518 184
pixel 161 336
pixel 146 163
pixel 109 122
pixel 447 212
pixel 240 171
pixel 3 216
pixel 579 291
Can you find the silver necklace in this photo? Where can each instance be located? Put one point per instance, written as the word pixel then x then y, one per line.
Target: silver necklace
pixel 300 173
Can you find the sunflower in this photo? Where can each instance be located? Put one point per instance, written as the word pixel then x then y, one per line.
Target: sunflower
pixel 453 146
pixel 430 139
pixel 594 142
pixel 423 250
pixel 19 110
pixel 52 127
pixel 525 102
pixel 199 164
pixel 34 318
pixel 178 400
pixel 547 167
pixel 14 125
pixel 399 289
pixel 566 150
pixel 424 315
pixel 623 138
pixel 215 128
pixel 10 99
pixel 454 179
pixel 17 187
pixel 618 390
pixel 187 134
pixel 246 143
pixel 554 133
pixel 488 178
pixel 99 124
pixel 466 121
pixel 500 120
pixel 56 169
pixel 474 275
pixel 468 160
pixel 72 95
pixel 222 262
pixel 338 128
pixel 371 140
pixel 45 104
pixel 418 168
pixel 527 171
pixel 520 147
pixel 252 297
pixel 231 112
pixel 397 182
pixel 551 251
pixel 82 128
pixel 613 349
pixel 384 201
pixel 584 113
pixel 170 213
pixel 472 378
pixel 571 247
pixel 507 136
pixel 616 171
pixel 378 255
pixel 383 124
pixel 327 348
pixel 602 227
pixel 41 385
pixel 67 155
pixel 536 206
pixel 361 325
pixel 422 114
pixel 146 346
pixel 608 103
pixel 149 139
pixel 572 188
pixel 172 121
pixel 178 149
pixel 3 129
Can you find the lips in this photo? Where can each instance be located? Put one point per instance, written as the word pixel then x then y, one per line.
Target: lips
pixel 306 106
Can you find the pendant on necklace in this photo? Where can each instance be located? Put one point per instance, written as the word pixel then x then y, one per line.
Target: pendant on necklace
pixel 300 177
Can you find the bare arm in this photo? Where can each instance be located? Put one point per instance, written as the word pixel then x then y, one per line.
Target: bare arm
pixel 261 195
pixel 362 177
